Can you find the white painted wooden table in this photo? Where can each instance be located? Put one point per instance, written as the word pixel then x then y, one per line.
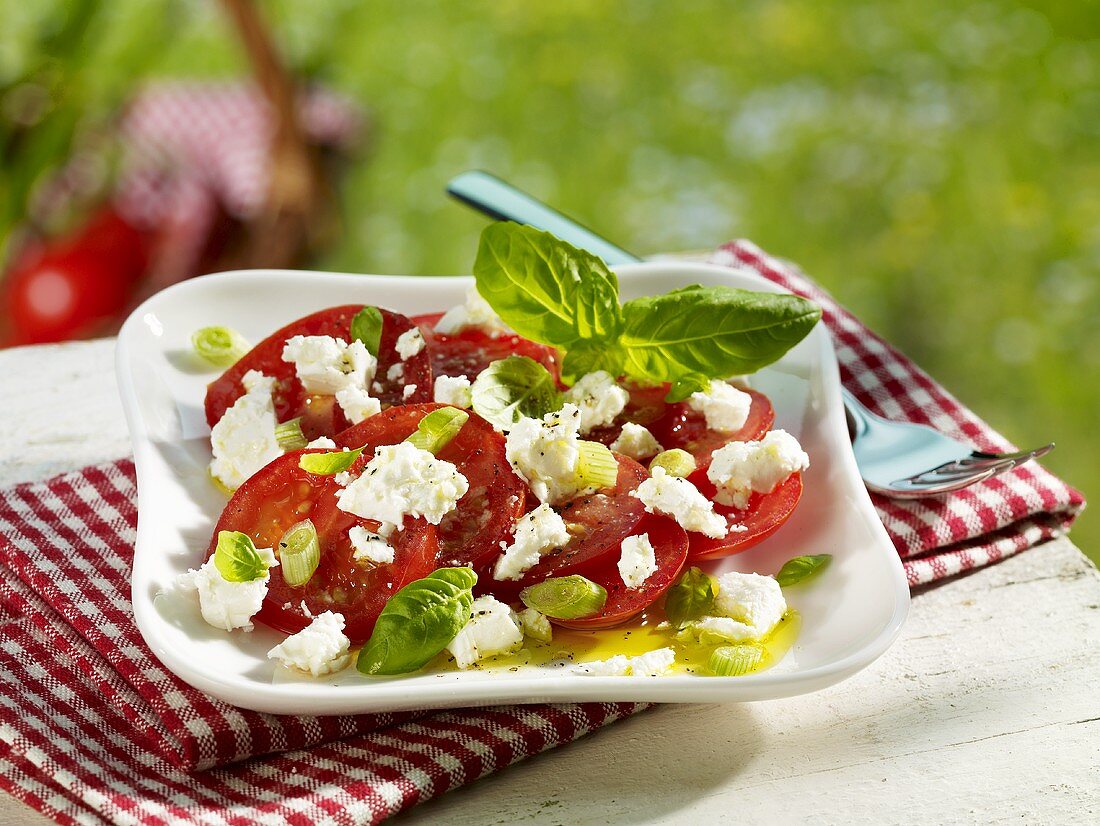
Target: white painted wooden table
pixel 987 709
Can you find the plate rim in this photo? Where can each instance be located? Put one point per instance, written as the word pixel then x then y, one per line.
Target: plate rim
pixel 275 698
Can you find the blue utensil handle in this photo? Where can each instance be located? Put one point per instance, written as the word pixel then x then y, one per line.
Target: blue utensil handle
pixel 503 202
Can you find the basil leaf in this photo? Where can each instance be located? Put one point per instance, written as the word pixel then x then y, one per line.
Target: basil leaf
pixel 236 558
pixel 546 289
pixel 691 597
pixel 512 388
pixel 367 328
pixel 418 622
pixel 684 386
pixel 586 357
pixel 801 568
pixel 711 331
pixel 330 463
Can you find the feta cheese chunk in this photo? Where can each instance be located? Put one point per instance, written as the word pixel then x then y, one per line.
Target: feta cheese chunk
pixel 319 648
pixel 537 532
pixel 637 561
pixel 402 480
pixel 409 343
pixel 455 391
pixel 395 373
pixel 748 607
pixel 741 468
pixel 322 443
pixel 536 625
pixel 493 629
pixel 598 398
pixel 650 664
pixel 636 442
pixel 475 313
pixel 544 453
pixel 224 604
pixel 357 404
pixel 408 391
pixel 725 407
pixel 326 365
pixel 243 440
pixel 682 501
pixel 369 547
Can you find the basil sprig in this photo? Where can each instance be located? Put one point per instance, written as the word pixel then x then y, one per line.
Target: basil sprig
pixel 691 597
pixel 801 568
pixel 418 622
pixel 512 388
pixel 552 292
pixel 237 559
pixel 366 327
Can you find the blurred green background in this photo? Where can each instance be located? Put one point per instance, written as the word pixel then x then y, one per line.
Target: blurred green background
pixel 935 163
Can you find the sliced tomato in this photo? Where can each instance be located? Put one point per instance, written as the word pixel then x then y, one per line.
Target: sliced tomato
pixel 598 523
pixel 763 516
pixel 321 415
pixel 281 495
pixel 670 549
pixel 687 429
pixel 469 352
pixel 470 534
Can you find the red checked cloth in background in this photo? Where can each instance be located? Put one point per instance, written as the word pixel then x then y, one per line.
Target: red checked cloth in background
pixel 94 728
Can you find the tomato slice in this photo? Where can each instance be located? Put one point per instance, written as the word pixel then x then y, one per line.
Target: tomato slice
pixel 687 429
pixel 670 549
pixel 469 352
pixel 282 494
pixel 763 516
pixel 321 415
pixel 470 534
pixel 598 523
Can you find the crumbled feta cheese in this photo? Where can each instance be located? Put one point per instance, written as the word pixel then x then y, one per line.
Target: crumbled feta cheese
pixel 344 478
pixel 493 629
pixel 409 343
pixel 536 625
pixel 395 373
pixel 319 648
pixel 725 407
pixel 637 561
pixel 740 468
pixel 322 443
pixel 408 391
pixel 599 399
pixel 650 664
pixel 402 480
pixel 636 442
pixel 326 365
pixel 748 607
pixel 454 390
pixel 544 453
pixel 474 313
pixel 369 547
pixel 357 404
pixel 536 533
pixel 682 501
pixel 243 440
pixel 226 604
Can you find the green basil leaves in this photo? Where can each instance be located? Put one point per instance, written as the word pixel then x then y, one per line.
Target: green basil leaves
pixel 367 328
pixel 801 568
pixel 691 597
pixel 418 622
pixel 237 559
pixel 513 388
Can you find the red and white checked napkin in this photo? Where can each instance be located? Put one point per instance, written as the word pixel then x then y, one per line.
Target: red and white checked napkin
pixel 93 728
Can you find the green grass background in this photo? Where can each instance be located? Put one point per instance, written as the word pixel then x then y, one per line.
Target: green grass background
pixel 935 163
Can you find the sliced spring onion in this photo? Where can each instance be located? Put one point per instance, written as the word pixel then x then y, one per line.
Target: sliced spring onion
pixel 236 557
pixel 435 431
pixel 565 597
pixel 327 464
pixel 676 462
pixel 367 328
pixel 734 660
pixel 289 435
pixel 299 553
pixel 220 346
pixel 596 466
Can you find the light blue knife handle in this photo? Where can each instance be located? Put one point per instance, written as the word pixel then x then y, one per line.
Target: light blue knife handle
pixel 504 202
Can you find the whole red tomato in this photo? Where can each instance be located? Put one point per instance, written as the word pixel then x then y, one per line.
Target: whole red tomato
pixel 75 285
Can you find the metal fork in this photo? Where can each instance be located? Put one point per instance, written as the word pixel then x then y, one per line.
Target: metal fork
pixel 896 459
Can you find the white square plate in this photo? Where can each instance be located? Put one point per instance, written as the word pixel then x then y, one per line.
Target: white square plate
pixel 851 613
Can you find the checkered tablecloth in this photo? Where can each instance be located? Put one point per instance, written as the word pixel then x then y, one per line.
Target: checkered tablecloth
pixel 94 729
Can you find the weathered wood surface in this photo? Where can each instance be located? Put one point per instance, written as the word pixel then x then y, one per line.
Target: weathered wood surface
pixel 986 710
